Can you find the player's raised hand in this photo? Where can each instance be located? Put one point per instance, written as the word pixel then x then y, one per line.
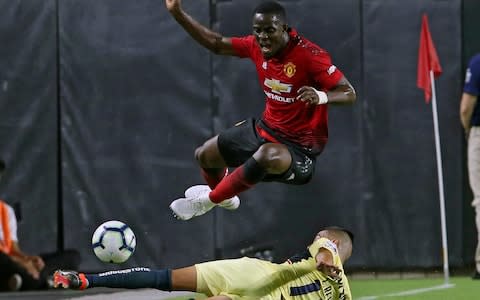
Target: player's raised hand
pixel 329 270
pixel 309 95
pixel 173 5
pixel 325 264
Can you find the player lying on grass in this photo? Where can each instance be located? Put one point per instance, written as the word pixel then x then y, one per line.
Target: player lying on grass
pixel 316 273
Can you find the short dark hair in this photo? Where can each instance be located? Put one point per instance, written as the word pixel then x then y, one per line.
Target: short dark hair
pixel 271 7
pixel 348 232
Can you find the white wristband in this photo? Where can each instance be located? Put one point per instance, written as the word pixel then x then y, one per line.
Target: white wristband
pixel 322 97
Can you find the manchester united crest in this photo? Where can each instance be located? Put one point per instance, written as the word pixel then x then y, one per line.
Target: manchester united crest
pixel 289 69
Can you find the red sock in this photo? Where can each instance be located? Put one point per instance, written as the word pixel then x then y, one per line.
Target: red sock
pixel 243 178
pixel 213 176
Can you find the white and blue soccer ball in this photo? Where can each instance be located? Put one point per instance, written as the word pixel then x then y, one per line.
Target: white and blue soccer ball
pixel 113 242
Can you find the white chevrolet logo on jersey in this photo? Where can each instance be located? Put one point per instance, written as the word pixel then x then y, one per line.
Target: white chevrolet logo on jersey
pixel 277 87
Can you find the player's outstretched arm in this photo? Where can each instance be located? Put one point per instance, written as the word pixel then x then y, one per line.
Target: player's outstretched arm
pixel 342 93
pixel 211 40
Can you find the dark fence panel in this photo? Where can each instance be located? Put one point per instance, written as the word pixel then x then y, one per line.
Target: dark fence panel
pixel 135 103
pixel 471 23
pixel 403 197
pixel 28 119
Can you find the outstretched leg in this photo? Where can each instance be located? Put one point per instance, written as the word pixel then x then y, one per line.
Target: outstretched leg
pixel 270 158
pixel 242 147
pixel 184 279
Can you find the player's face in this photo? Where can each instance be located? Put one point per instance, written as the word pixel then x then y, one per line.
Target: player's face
pixel 270 32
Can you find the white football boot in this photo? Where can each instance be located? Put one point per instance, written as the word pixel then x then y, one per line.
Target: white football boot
pixel 230 204
pixel 187 208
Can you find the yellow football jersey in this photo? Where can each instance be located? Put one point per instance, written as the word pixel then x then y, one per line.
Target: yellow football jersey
pixel 297 279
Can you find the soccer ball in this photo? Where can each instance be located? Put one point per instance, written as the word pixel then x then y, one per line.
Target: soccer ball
pixel 113 242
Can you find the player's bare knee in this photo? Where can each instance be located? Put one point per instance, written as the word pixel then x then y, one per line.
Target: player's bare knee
pixel 272 156
pixel 200 156
pixel 207 157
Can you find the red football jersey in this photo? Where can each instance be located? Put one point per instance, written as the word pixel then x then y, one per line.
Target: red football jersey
pixel 301 63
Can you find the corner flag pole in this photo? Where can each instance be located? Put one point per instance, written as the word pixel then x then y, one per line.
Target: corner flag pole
pixel 446 272
pixel 428 68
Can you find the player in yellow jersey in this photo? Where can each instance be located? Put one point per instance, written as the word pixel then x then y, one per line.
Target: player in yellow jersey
pixel 315 274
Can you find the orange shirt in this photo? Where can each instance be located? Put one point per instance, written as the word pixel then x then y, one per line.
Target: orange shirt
pixel 6 243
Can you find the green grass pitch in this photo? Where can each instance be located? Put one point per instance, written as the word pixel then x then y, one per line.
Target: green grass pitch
pixel 463 288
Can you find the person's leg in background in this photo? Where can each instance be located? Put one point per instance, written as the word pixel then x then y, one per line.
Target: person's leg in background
pixel 8 270
pixel 7 273
pixel 474 177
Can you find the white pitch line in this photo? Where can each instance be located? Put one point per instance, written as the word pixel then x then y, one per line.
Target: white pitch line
pixel 410 292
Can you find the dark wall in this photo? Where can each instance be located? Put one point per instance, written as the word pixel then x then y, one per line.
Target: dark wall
pixel 28 120
pixel 399 137
pixel 471 23
pixel 137 95
pixel 135 103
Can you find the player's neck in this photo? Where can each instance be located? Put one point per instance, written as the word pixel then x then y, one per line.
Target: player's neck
pixel 285 44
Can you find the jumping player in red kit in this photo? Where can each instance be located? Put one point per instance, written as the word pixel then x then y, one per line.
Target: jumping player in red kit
pixel 298 79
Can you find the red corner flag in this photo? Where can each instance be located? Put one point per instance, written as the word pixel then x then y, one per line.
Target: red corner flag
pixel 427 60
